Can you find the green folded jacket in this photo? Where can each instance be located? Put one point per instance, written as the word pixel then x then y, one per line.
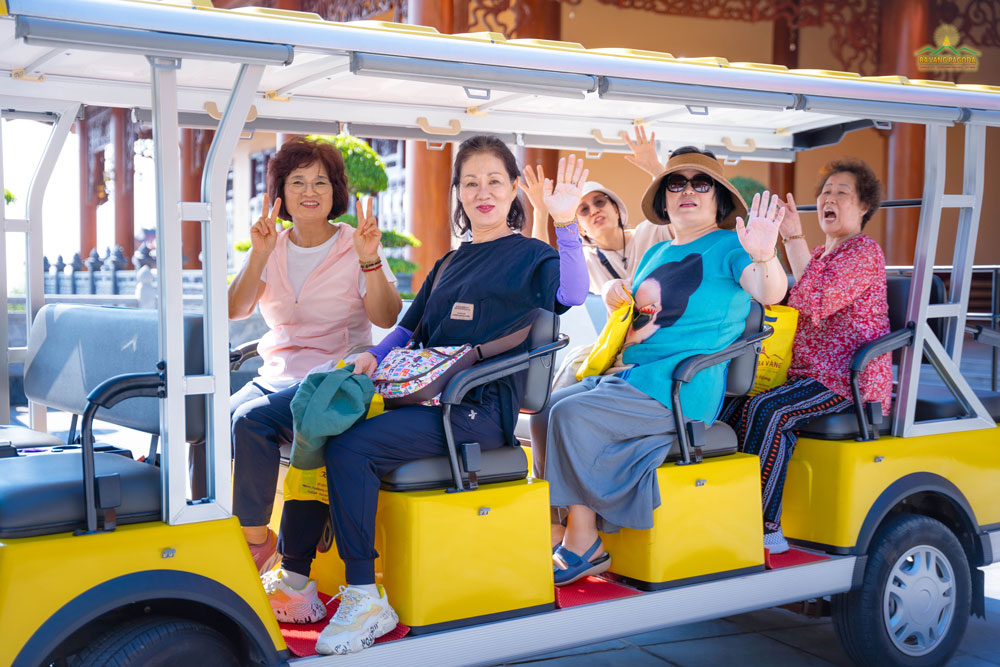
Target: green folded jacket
pixel 326 404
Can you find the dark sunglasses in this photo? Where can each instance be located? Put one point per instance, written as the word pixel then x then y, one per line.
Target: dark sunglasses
pixel 639 318
pixel 699 183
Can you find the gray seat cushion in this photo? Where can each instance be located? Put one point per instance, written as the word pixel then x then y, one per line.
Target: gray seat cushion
pixel 720 440
pixel 841 426
pixel 43 494
pixel 503 464
pixel 937 403
pixel 22 437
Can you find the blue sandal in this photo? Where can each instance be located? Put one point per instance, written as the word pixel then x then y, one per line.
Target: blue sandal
pixel 578 567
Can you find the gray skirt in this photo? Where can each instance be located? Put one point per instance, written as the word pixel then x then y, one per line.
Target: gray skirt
pixel 604 442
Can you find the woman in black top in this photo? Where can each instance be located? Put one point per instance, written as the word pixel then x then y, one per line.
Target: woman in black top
pixel 488 289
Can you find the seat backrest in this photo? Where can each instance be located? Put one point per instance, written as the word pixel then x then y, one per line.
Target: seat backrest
pixel 73 348
pixel 743 369
pixel 540 369
pixel 898 296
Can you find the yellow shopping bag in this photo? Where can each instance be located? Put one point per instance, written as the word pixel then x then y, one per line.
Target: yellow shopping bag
pixel 609 343
pixel 311 484
pixel 776 351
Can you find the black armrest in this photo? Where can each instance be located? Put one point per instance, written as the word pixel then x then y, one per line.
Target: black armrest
pixel 985 335
pixel 108 394
pixel 863 356
pixel 687 369
pixel 242 354
pixel 494 369
pixel 480 374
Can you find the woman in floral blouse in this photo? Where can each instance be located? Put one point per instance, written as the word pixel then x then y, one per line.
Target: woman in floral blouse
pixel 840 293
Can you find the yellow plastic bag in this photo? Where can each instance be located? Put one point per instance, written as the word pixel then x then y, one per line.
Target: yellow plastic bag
pixel 609 343
pixel 311 484
pixel 776 351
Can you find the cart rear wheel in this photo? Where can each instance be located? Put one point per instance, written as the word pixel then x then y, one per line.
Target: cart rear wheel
pixel 159 641
pixel 913 605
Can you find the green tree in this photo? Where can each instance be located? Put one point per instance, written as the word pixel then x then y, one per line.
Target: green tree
pixel 748 187
pixel 8 195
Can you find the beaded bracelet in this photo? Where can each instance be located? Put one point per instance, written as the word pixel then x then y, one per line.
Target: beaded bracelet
pixel 373 267
pixel 764 261
pixel 792 238
pixel 558 225
pixel 365 265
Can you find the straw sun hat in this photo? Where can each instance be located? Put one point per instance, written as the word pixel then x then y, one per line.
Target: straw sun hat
pixel 704 164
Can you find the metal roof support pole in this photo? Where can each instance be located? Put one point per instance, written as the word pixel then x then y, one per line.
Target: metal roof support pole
pixel 33 236
pixel 168 269
pixel 216 304
pixel 919 310
pixel 4 336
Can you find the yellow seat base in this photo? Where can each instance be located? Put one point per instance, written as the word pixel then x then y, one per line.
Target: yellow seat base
pixel 708 525
pixel 454 559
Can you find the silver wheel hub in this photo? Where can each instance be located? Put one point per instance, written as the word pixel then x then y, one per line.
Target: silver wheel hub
pixel 919 601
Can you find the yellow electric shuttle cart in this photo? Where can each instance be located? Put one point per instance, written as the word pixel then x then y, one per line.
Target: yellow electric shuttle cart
pixel 107 560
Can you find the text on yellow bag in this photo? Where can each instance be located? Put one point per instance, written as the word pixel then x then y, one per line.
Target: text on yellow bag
pixel 776 350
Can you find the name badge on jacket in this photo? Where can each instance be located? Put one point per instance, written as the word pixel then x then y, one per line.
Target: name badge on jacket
pixel 462 311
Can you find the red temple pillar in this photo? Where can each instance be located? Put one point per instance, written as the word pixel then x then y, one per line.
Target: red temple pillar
pixel 124 181
pixel 88 198
pixel 194 150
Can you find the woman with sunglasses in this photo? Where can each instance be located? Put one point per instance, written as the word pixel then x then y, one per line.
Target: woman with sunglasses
pixel 608 434
pixel 320 286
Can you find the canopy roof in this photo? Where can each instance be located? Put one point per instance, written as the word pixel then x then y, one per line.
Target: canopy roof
pixel 403 81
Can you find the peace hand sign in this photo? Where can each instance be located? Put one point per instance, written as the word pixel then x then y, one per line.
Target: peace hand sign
pixel 564 197
pixel 367 236
pixel 760 234
pixel 264 232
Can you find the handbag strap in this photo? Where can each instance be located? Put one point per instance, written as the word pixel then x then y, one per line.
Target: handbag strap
pixel 437 276
pixel 607 264
pixel 503 344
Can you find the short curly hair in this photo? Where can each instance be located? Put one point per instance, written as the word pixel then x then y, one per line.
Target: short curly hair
pixel 866 183
pixel 303 152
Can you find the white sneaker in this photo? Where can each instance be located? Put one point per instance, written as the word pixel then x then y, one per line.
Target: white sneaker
pixel 360 620
pixel 775 542
pixel 291 605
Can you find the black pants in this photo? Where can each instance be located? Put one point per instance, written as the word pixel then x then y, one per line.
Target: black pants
pixel 355 460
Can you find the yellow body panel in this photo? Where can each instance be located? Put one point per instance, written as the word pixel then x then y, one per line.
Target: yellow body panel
pixel 442 560
pixel 832 485
pixel 451 556
pixel 39 575
pixel 700 528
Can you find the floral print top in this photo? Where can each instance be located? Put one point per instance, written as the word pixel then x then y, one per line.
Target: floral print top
pixel 841 299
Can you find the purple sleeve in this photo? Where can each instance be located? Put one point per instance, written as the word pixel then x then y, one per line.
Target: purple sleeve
pixel 574 282
pixel 398 337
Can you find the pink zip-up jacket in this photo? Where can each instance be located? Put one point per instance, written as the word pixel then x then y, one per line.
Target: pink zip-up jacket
pixel 327 319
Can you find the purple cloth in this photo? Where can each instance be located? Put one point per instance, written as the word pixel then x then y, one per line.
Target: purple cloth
pixel 398 337
pixel 574 282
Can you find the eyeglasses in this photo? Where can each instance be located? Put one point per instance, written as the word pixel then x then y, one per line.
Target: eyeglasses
pixel 319 187
pixel 599 202
pixel 699 183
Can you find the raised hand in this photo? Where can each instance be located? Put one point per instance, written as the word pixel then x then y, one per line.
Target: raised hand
pixel 532 182
pixel 367 236
pixel 760 233
pixel 264 232
pixel 644 151
pixel 791 225
pixel 562 197
pixel 365 364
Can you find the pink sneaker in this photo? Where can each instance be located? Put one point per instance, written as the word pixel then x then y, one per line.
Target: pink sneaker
pixel 266 556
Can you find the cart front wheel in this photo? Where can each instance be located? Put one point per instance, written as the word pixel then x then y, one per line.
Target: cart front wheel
pixel 159 641
pixel 913 605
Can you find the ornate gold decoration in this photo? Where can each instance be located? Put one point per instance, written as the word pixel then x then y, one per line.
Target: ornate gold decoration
pixel 855 22
pixel 978 21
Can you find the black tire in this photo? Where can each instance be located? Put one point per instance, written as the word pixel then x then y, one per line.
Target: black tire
pixel 928 617
pixel 159 641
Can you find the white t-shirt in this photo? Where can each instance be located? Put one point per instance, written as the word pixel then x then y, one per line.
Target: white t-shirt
pixel 303 261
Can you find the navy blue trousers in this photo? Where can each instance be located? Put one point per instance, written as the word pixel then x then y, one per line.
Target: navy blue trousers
pixel 355 460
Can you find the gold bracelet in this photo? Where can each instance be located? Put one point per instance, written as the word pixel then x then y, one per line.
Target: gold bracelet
pixel 792 238
pixel 557 224
pixel 764 261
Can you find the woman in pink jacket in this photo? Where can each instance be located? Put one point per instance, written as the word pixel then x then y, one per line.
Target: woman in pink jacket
pixel 320 285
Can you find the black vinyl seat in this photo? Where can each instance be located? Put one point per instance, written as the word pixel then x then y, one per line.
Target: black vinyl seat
pixel 502 464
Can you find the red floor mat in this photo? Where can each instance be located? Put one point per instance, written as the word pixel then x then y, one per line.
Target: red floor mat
pixel 790 558
pixel 301 639
pixel 590 589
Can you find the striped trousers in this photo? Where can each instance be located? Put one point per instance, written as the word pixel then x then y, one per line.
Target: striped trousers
pixel 766 425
